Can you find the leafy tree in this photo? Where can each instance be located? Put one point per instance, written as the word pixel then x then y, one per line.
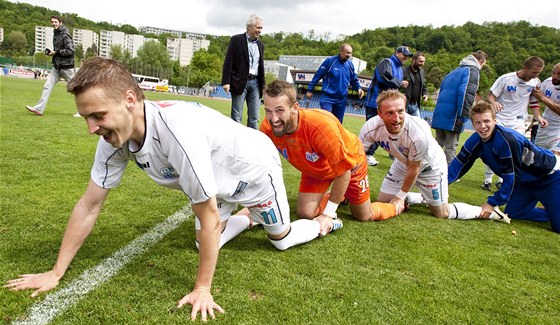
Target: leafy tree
pixel 154 58
pixel 204 67
pixel 16 43
pixel 79 52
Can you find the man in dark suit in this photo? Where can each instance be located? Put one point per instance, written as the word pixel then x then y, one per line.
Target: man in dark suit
pixel 243 72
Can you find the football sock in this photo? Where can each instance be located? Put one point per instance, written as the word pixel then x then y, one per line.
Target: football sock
pixel 382 211
pixel 235 225
pixel 302 231
pixel 414 198
pixel 463 211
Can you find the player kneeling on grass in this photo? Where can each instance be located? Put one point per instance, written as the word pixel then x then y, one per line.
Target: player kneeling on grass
pixel 530 173
pixel 218 163
pixel 325 153
pixel 419 160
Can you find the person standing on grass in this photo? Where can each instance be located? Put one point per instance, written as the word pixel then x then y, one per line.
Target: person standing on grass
pixel 416 92
pixel 243 72
pixel 337 73
pixel 419 160
pixel 326 154
pixel 530 173
pixel 63 64
pixel 457 95
pixel 217 163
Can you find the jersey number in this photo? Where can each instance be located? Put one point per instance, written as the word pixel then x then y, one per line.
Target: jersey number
pixel 364 184
pixel 269 217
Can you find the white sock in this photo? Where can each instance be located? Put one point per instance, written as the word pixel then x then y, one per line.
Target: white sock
pixel 302 231
pixel 235 225
pixel 415 198
pixel 463 211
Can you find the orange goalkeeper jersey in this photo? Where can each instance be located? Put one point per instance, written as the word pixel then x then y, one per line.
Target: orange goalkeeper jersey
pixel 320 147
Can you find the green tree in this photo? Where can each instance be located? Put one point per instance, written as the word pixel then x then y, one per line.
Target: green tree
pixel 16 44
pixel 79 52
pixel 204 67
pixel 155 60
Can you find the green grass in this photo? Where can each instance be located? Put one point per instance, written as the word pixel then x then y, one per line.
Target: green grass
pixel 410 269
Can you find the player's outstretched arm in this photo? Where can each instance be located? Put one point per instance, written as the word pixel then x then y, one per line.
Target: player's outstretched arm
pixel 209 239
pixel 79 226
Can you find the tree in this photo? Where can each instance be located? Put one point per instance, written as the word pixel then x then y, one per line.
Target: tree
pixel 91 51
pixel 154 59
pixel 16 43
pixel 118 53
pixel 204 67
pixel 79 52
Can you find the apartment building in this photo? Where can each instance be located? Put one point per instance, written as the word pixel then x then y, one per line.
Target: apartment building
pixel 108 38
pixel 43 38
pixel 183 49
pixel 86 38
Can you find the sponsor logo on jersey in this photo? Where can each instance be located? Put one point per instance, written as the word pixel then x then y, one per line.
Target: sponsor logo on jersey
pixel 168 172
pixel 548 93
pixel 143 165
pixel 383 144
pixel 262 205
pixel 311 156
pixel 511 89
pixel 240 187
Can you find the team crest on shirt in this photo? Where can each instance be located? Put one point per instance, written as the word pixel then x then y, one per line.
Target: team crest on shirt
pixel 404 151
pixel 168 172
pixel 311 156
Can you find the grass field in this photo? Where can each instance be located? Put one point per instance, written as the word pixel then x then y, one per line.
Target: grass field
pixel 413 269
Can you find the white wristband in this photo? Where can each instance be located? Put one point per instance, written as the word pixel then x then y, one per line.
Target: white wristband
pixel 402 195
pixel 330 209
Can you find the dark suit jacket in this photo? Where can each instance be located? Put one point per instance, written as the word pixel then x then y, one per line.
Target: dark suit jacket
pixel 236 65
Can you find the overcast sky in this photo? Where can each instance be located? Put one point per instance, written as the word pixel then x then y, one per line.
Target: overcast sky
pixel 228 17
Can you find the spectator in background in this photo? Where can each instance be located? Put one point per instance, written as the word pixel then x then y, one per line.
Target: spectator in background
pixel 419 161
pixel 511 95
pixel 243 72
pixel 457 95
pixel 416 92
pixel 63 64
pixel 388 75
pixel 549 94
pixel 530 173
pixel 326 154
pixel 337 73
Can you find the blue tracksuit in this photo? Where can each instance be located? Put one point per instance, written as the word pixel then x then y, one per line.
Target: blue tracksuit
pixel 336 75
pixel 530 174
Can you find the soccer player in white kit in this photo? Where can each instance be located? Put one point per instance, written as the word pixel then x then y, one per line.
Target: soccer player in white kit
pixel 419 160
pixel 511 95
pixel 218 163
pixel 549 94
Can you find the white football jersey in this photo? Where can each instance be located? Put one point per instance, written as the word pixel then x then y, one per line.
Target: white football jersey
pixel 514 94
pixel 196 149
pixel 549 136
pixel 415 142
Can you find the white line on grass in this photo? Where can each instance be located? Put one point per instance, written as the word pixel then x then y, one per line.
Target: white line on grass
pixel 59 301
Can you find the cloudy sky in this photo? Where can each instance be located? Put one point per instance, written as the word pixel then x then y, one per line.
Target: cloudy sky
pixel 332 17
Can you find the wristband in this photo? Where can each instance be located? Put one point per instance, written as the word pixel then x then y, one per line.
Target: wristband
pixel 330 209
pixel 401 195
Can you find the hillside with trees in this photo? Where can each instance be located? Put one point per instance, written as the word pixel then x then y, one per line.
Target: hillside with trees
pixel 507 44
